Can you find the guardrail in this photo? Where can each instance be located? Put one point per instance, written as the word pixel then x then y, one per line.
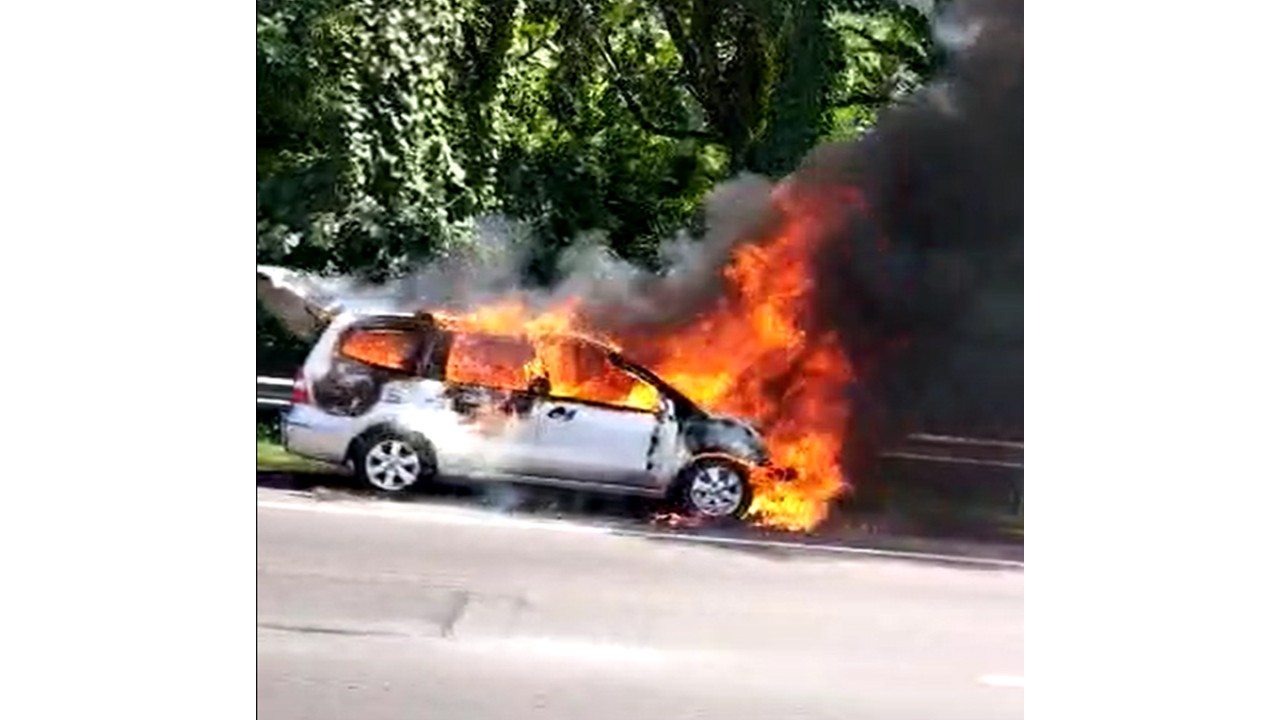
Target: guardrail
pixel 274 392
pixel 1002 460
pixel 958 450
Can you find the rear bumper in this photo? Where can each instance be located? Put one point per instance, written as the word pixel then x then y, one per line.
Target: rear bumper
pixel 313 434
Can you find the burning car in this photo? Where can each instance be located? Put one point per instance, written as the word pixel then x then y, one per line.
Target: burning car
pixel 404 397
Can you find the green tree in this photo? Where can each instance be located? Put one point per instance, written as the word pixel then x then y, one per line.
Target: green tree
pixel 385 126
pixel 762 79
pixel 358 165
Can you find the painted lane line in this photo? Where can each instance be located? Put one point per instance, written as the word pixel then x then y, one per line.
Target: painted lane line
pixel 1009 681
pixel 433 515
pixel 841 549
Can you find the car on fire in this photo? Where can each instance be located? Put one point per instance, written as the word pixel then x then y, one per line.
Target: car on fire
pixel 405 397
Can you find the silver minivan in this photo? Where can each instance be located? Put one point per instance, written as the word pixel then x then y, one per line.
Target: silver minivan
pixel 403 398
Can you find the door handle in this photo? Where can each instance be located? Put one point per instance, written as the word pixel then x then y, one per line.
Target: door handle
pixel 561 413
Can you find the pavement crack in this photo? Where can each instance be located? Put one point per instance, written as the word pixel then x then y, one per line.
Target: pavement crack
pixel 323 630
pixel 519 604
pixel 459 600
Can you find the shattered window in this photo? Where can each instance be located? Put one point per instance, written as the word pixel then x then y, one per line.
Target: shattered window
pixel 491 360
pixel 583 372
pixel 384 348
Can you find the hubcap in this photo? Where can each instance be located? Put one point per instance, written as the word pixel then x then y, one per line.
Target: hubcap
pixel 715 490
pixel 392 465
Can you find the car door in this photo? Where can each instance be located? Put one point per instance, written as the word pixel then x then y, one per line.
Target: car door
pixel 598 424
pixel 595 442
pixel 494 428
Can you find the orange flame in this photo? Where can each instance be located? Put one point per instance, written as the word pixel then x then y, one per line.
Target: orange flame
pixel 381 348
pixel 748 356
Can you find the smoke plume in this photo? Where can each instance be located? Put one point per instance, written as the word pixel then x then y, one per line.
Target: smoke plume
pixel 612 294
pixel 925 284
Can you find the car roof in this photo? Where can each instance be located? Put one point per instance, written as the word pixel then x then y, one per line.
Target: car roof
pixel 460 326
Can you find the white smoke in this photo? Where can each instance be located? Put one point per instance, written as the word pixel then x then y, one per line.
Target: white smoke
pixel 491 268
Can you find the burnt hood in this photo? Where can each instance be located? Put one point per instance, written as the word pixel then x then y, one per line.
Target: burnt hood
pixel 301 301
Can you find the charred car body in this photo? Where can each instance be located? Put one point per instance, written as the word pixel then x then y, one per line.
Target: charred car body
pixel 405 397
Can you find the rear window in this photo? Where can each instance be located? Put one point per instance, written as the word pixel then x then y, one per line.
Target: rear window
pixel 387 348
pixel 491 360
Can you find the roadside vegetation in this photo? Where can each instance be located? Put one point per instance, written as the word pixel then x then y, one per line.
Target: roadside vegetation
pixel 273 458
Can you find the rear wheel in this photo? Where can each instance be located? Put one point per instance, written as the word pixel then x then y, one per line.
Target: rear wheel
pixel 392 461
pixel 715 489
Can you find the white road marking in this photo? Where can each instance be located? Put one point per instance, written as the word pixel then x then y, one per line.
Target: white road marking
pixel 842 549
pixel 444 516
pixel 475 518
pixel 1010 681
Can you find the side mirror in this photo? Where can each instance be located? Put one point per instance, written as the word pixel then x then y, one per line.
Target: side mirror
pixel 539 387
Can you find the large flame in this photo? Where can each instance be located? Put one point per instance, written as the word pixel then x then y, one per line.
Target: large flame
pixel 752 357
pixel 748 356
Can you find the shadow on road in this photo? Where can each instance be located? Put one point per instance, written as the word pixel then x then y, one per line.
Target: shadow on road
pixel 298 481
pixel 501 497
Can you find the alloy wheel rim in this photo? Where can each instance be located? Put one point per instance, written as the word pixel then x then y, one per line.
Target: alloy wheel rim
pixel 392 465
pixel 715 490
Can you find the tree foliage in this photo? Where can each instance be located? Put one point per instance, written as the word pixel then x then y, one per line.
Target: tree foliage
pixel 386 126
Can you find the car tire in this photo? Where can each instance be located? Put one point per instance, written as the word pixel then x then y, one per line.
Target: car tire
pixel 714 490
pixel 393 461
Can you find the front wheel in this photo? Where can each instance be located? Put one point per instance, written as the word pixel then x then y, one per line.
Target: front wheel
pixel 392 461
pixel 715 489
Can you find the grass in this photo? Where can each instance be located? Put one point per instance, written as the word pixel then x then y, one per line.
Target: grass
pixel 273 458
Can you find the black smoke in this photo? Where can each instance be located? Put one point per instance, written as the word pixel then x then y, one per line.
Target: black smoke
pixel 922 278
pixel 924 284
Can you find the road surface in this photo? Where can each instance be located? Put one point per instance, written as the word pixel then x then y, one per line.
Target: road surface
pixel 373 610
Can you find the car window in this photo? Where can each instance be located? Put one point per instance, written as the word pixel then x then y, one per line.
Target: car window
pixel 581 371
pixel 491 360
pixel 380 347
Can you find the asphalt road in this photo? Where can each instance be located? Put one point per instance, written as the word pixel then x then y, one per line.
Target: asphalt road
pixel 373 610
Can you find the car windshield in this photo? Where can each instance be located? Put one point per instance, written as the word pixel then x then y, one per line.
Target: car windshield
pixel 684 406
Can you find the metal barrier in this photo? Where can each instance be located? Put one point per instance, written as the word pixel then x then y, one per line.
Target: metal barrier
pixel 1003 458
pixel 274 392
pixel 958 450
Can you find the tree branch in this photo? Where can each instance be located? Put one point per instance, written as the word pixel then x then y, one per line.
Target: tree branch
pixel 634 106
pixel 910 55
pixel 691 62
pixel 884 47
pixel 858 97
pixel 534 47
